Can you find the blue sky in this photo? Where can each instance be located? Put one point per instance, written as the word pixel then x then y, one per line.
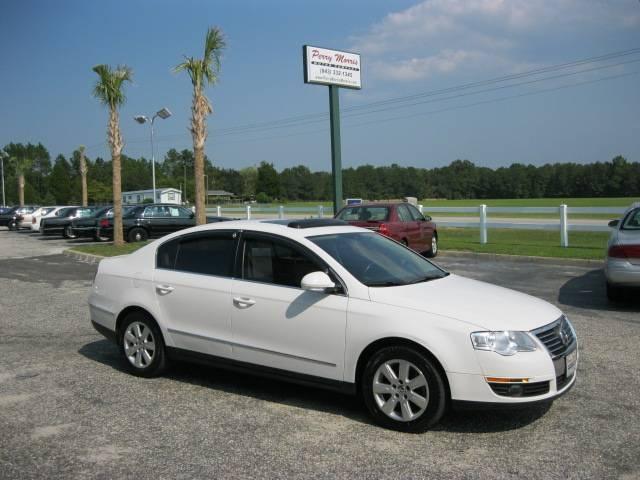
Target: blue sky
pixel 407 47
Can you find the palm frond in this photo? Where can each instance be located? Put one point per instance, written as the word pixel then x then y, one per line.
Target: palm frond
pixel 109 87
pixel 205 69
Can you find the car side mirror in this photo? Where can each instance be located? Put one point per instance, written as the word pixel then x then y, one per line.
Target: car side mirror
pixel 192 215
pixel 427 218
pixel 614 223
pixel 317 282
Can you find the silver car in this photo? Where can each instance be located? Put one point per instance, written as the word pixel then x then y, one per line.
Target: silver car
pixel 622 265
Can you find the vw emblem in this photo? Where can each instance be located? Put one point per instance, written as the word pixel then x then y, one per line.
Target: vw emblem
pixel 564 337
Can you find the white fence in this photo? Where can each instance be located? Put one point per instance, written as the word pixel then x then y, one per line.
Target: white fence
pixel 563 225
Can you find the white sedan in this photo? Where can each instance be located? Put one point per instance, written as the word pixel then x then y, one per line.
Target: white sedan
pixel 622 265
pixel 323 303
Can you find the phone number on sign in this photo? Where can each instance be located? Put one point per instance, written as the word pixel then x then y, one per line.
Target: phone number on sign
pixel 336 73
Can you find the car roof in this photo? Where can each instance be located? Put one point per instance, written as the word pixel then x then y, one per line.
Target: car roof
pixel 278 227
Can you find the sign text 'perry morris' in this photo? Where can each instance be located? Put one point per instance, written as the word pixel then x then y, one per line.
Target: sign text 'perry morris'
pixel 331 67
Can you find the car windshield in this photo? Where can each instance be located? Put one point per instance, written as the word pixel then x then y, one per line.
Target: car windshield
pixel 378 261
pixel 101 212
pixel 632 221
pixel 364 214
pixel 133 212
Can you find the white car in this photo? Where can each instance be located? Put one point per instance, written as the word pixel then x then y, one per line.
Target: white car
pixel 50 213
pixel 323 303
pixel 622 265
pixel 32 221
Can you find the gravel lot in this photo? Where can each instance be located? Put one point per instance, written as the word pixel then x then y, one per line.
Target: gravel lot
pixel 68 410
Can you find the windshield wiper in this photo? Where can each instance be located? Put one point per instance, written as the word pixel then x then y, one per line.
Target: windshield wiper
pixel 426 279
pixel 385 284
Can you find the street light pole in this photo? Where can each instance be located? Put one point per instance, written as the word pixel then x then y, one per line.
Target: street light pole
pixel 163 113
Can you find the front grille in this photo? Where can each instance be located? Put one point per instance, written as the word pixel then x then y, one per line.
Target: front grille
pixel 520 389
pixel 558 337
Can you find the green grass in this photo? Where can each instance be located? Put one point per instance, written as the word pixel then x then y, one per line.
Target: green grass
pixel 533 202
pixel 536 243
pixel 108 249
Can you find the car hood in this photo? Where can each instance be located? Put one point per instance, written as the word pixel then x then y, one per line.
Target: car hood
pixel 481 304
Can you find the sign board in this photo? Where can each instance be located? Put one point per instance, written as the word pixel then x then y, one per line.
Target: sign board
pixel 331 67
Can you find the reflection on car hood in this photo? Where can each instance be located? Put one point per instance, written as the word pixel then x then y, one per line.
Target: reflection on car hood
pixel 487 306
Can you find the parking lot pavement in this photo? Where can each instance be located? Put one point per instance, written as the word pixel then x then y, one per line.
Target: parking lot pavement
pixel 68 410
pixel 25 243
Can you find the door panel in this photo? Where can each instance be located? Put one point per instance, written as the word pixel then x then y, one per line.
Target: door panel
pixel 196 310
pixel 192 284
pixel 289 328
pixel 277 324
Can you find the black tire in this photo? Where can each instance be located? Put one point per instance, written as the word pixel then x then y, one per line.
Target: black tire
pixel 68 232
pixel 137 235
pixel 158 361
pixel 434 247
pixel 405 242
pixel 99 238
pixel 434 391
pixel 614 293
pixel 11 226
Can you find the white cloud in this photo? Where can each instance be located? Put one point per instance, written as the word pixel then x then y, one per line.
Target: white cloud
pixel 440 36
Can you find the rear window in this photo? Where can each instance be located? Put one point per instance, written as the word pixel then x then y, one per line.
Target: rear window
pixel 364 214
pixel 632 222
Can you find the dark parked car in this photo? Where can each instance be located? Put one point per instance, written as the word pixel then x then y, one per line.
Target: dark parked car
pixel 87 227
pixel 401 221
pixel 61 223
pixel 13 216
pixel 152 221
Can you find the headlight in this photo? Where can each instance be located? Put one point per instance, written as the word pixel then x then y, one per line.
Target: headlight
pixel 504 343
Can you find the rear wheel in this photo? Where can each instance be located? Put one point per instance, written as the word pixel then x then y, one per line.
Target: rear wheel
pixel 12 226
pixel 142 345
pixel 403 390
pixel 137 235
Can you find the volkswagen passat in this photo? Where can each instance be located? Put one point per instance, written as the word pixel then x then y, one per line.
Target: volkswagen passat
pixel 327 304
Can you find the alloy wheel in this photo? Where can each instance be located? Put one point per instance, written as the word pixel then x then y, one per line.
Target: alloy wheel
pixel 139 345
pixel 400 390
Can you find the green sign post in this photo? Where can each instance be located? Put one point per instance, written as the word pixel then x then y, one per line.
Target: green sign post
pixel 335 69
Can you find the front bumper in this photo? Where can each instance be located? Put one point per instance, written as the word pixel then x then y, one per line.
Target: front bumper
pixel 522 379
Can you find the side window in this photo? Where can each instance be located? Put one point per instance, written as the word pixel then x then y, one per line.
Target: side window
pixel 273 261
pixel 166 254
pixel 415 213
pixel 209 254
pixel 149 212
pixel 403 214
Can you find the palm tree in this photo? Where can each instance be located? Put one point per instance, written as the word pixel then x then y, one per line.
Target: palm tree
pixel 203 72
pixel 21 164
pixel 109 90
pixel 83 175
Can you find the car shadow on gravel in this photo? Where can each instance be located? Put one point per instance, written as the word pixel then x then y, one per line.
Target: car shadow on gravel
pixel 483 421
pixel 589 291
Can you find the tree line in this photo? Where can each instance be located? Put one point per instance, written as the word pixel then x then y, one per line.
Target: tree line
pixel 59 180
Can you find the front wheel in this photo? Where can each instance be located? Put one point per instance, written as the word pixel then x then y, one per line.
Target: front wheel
pixel 12 226
pixel 68 232
pixel 614 293
pixel 142 345
pixel 403 390
pixel 434 247
pixel 137 235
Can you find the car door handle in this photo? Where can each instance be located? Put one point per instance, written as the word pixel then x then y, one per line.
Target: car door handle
pixel 164 289
pixel 243 302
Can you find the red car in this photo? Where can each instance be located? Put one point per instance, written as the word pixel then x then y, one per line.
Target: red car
pixel 401 221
